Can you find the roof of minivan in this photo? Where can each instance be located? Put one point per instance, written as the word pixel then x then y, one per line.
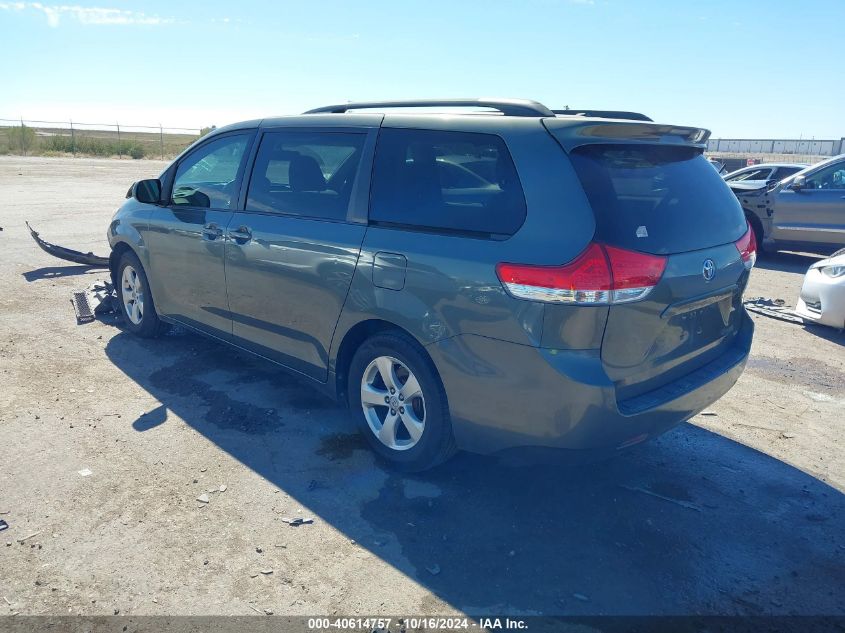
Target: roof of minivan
pixel 575 125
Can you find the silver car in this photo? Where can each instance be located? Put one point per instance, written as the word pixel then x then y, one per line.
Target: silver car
pixel 804 211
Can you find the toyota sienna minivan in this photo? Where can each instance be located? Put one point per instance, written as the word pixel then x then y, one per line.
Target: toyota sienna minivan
pixel 491 275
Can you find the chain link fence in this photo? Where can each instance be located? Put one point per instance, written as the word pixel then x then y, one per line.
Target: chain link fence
pixel 25 137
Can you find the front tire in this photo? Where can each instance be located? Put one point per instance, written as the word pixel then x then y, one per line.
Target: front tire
pixel 135 299
pixel 400 404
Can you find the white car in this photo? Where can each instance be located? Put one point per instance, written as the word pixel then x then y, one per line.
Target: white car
pixel 763 174
pixel 822 298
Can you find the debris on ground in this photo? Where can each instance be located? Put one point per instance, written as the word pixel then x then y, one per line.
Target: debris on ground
pixel 709 413
pixel 266 572
pixel 222 488
pixel 97 299
pixel 757 426
pixel 204 498
pixel 297 520
pixel 679 502
pixel 85 472
pixel 67 254
pixel 26 538
pixel 787 436
pixel 773 308
pixel 3 525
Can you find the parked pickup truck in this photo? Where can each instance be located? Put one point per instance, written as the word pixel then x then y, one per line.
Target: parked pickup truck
pixel 805 211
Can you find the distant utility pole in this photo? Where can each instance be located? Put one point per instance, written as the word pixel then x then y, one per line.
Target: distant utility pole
pixel 119 153
pixel 161 139
pixel 23 150
pixel 72 139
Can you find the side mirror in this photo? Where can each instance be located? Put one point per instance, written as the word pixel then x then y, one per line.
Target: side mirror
pixel 147 191
pixel 798 183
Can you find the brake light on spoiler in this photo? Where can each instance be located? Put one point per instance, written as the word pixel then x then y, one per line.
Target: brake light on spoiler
pixel 600 275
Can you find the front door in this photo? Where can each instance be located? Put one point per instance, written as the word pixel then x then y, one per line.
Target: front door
pixel 291 253
pixel 816 212
pixel 187 236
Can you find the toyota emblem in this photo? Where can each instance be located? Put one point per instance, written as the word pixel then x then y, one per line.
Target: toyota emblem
pixel 708 270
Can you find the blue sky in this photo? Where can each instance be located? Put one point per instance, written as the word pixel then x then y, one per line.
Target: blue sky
pixel 743 68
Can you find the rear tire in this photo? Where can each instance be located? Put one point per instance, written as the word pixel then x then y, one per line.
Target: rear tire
pixel 399 402
pixel 757 227
pixel 134 297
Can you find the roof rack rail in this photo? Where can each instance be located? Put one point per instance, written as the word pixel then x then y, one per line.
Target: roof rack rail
pixel 508 107
pixel 604 114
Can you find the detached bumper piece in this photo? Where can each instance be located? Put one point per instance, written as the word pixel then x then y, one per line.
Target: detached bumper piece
pixel 773 309
pixel 86 259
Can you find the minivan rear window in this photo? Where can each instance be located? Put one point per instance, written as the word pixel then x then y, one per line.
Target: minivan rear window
pixel 657 198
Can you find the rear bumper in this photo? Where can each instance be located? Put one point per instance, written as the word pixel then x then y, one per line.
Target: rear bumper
pixel 503 395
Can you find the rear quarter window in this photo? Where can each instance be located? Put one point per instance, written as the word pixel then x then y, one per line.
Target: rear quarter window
pixel 656 198
pixel 452 182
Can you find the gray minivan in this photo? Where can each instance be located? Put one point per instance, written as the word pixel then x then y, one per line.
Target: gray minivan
pixel 498 275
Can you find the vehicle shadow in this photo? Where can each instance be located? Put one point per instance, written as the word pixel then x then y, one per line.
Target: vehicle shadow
pixel 828 333
pixel 787 261
pixel 52 272
pixel 692 523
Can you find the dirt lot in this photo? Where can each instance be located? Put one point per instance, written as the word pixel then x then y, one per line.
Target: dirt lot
pixel 737 512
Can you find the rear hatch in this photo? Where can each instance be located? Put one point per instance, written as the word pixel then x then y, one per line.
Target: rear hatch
pixel 664 199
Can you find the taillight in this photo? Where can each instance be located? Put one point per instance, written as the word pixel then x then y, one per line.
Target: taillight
pixel 747 247
pixel 600 275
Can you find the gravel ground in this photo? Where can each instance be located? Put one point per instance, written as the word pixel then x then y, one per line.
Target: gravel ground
pixel 108 441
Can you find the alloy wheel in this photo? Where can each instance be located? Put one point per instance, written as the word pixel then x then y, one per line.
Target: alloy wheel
pixel 393 403
pixel 133 295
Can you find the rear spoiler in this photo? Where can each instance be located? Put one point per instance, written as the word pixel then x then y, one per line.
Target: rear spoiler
pixel 574 132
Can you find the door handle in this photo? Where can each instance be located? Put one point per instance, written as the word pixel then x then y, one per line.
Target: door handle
pixel 211 231
pixel 241 235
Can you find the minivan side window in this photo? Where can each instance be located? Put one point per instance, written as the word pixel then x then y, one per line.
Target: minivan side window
pixel 305 173
pixel 208 176
pixel 445 181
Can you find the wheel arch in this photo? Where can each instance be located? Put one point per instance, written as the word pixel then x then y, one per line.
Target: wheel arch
pixel 117 252
pixel 353 338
